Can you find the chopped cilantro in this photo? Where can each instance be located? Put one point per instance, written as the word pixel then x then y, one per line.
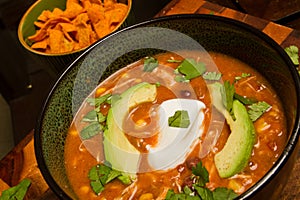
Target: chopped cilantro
pixel 91 130
pixel 244 75
pixel 171 195
pixel 113 97
pixel 95 118
pixel 227 95
pixel 150 64
pixel 199 190
pixel 101 118
pixel 222 193
pixel 212 76
pixel 17 192
pixel 244 100
pixel 90 116
pixel 257 109
pixel 180 78
pixel 204 193
pixel 202 173
pixel 180 119
pixel 293 53
pixel 100 175
pixel 157 84
pixel 98 100
pixel 191 69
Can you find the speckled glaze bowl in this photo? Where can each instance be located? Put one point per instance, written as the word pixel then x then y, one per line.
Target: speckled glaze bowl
pixel 55 63
pixel 114 52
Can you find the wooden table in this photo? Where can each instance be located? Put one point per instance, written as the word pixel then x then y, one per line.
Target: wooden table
pixel 21 163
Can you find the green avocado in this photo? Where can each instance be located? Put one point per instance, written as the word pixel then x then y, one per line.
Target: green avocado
pixel 118 151
pixel 237 151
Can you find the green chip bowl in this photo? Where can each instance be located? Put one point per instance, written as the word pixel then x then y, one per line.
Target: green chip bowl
pixel 54 63
pixel 130 44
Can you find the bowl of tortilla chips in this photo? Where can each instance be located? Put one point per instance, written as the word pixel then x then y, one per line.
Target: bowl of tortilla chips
pixel 56 31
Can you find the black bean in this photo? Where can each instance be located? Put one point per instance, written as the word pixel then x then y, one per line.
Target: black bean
pixel 185 93
pixel 192 162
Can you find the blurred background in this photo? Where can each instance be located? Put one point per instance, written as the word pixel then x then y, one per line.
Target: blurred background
pixel 25 83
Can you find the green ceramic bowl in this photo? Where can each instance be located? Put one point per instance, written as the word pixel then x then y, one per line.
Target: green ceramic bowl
pixel 168 33
pixel 55 62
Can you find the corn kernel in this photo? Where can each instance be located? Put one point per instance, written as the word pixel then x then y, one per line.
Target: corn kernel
pixel 146 196
pixel 84 189
pixel 100 91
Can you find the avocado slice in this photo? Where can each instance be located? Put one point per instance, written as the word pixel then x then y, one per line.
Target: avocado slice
pixel 118 151
pixel 237 151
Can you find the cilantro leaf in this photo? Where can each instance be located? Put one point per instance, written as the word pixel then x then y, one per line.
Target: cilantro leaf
pixel 257 109
pixel 97 186
pixel 125 178
pixel 244 75
pixel 114 97
pixel 222 193
pixel 293 53
pixel 171 195
pixel 17 192
pixel 204 193
pixel 98 100
pixel 202 173
pixel 244 100
pixel 150 64
pixel 91 130
pixel 212 76
pixel 100 117
pixel 112 175
pixel 100 175
pixel 180 78
pixel 199 190
pixel 90 116
pixel 191 69
pixel 180 119
pixel 227 95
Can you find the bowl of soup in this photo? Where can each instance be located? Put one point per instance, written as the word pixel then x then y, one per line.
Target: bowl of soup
pixel 178 107
pixel 55 32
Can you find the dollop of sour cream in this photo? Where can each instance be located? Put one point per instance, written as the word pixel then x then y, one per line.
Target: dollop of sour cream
pixel 175 143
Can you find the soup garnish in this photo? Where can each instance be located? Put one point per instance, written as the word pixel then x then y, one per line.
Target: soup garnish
pixel 175 126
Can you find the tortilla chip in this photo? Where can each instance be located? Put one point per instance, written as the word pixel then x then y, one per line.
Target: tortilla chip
pixel 99 2
pixel 70 2
pixel 68 27
pixel 82 23
pixel 117 14
pixel 39 24
pixel 55 39
pixel 42 33
pixel 102 28
pixel 56 13
pixel 86 4
pixel 81 19
pixel 109 4
pixel 72 10
pixel 44 16
pixel 40 45
pixel 83 35
pixel 67 45
pixel 95 13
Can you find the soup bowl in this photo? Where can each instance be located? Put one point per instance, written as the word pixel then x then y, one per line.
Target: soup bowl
pixel 56 62
pixel 172 33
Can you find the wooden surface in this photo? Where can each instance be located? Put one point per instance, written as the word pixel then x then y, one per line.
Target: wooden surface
pixel 20 163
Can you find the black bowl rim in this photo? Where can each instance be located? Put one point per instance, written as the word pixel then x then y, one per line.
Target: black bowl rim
pixel 282 160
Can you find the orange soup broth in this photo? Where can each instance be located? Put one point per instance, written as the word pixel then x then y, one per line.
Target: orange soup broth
pixel 270 130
